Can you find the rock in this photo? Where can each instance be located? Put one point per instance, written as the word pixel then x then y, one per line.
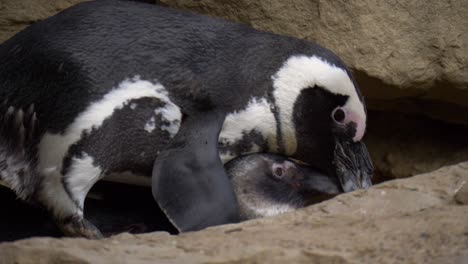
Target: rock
pixel 413 220
pixel 16 15
pixel 402 145
pixel 461 195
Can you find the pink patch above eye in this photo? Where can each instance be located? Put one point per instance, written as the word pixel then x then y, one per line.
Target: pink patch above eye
pixel 344 116
pixel 360 124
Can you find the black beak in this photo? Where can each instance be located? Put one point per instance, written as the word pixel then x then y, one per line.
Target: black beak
pixel 352 165
pixel 316 186
pixel 313 181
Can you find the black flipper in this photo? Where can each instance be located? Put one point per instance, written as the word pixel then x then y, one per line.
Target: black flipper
pixel 189 180
pixel 17 128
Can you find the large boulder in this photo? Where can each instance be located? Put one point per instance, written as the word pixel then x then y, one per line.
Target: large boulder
pixel 423 219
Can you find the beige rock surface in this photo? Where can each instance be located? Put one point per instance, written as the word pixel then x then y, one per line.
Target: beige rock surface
pixel 415 220
pixel 461 196
pixel 18 14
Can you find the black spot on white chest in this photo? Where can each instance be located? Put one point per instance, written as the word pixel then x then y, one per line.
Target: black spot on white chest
pixel 130 139
pixel 252 129
pixel 113 132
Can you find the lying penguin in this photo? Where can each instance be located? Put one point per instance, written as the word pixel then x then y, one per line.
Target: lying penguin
pixel 268 185
pixel 264 184
pixel 149 92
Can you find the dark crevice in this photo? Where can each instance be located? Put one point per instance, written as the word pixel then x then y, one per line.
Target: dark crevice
pixel 403 145
pixel 113 208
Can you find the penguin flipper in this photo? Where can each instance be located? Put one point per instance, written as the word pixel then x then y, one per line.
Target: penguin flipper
pixel 189 181
pixel 17 134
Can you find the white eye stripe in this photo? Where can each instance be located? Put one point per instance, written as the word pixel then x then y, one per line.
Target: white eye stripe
pixel 301 72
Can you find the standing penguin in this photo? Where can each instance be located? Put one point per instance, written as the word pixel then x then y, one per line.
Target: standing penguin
pixel 127 88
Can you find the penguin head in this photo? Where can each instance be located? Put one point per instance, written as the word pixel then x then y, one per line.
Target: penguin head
pixel 323 117
pixel 268 184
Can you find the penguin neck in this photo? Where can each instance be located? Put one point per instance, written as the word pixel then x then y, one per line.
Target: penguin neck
pixel 249 210
pixel 286 138
pixel 254 204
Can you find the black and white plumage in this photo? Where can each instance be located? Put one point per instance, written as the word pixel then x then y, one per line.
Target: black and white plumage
pixel 125 88
pixel 17 138
pixel 268 185
pixel 264 184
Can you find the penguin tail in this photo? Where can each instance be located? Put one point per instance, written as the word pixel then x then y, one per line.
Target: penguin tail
pixel 17 162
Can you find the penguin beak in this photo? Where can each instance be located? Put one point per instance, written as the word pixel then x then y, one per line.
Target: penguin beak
pixel 316 186
pixel 313 181
pixel 352 165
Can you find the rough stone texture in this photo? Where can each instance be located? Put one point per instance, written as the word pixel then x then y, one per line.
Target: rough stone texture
pixel 403 145
pixel 461 195
pixel 415 220
pixel 16 15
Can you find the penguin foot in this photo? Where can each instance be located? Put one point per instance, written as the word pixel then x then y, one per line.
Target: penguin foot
pixel 77 226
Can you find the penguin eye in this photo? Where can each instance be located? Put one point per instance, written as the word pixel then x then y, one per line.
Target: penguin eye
pixel 338 115
pixel 278 171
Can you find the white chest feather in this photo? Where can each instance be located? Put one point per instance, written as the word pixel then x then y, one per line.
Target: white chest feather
pixel 82 173
pixel 53 147
pixel 257 116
